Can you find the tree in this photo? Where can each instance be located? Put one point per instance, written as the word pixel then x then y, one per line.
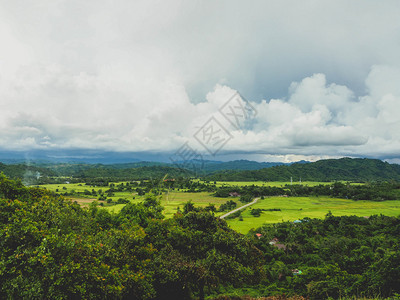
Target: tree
pixel 246 198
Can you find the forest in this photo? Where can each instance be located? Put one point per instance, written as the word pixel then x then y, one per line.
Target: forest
pixel 51 247
pixel 344 169
pixel 348 169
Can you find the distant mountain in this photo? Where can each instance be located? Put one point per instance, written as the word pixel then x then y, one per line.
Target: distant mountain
pixel 200 167
pixel 73 169
pixel 83 156
pixel 139 173
pixel 123 159
pixel 213 166
pixel 240 170
pixel 356 169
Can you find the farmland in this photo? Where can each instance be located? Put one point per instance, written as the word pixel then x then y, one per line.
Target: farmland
pixel 267 183
pixel 293 208
pixel 287 208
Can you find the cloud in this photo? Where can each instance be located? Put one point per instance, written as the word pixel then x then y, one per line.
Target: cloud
pixel 315 91
pixel 146 75
pixel 317 119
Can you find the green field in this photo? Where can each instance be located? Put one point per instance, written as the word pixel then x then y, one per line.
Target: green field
pixel 86 199
pixel 292 208
pixel 271 183
pixel 172 200
pixel 265 183
pixel 79 187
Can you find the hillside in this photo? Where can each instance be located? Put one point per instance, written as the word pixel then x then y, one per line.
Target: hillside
pixel 213 166
pixel 25 172
pixel 134 170
pixel 350 169
pixel 357 169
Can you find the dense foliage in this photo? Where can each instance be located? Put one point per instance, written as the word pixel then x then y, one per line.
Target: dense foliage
pixel 338 256
pixel 52 248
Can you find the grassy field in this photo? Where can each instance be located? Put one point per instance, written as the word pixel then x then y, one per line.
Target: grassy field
pixel 85 200
pixel 78 187
pixel 264 183
pixel 293 208
pixel 172 200
pixel 271 183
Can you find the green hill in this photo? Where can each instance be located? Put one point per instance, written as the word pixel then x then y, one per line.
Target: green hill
pixel 25 172
pixel 350 169
pixel 209 166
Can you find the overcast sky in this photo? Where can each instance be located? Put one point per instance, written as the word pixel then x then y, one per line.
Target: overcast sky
pixel 321 78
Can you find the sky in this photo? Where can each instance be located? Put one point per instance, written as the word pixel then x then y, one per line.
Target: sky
pixel 259 80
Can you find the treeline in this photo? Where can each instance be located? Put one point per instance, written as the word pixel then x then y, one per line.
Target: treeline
pixel 371 191
pixel 139 173
pixel 347 169
pixel 100 175
pixel 202 167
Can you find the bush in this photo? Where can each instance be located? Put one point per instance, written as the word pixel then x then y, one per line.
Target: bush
pixel 255 212
pixel 246 198
pixel 227 206
pixel 234 215
pixel 122 201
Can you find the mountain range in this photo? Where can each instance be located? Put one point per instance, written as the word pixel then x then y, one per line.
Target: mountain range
pixel 350 169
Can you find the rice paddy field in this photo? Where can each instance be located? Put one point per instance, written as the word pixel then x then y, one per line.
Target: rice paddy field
pixel 264 183
pixel 85 200
pixel 272 183
pixel 294 208
pixel 291 208
pixel 171 200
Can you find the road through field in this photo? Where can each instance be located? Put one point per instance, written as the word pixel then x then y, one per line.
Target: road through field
pixel 239 208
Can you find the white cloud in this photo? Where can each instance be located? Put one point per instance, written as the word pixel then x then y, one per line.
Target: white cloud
pixel 146 75
pixel 315 91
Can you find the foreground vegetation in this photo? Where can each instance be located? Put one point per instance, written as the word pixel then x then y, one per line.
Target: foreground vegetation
pixel 53 248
